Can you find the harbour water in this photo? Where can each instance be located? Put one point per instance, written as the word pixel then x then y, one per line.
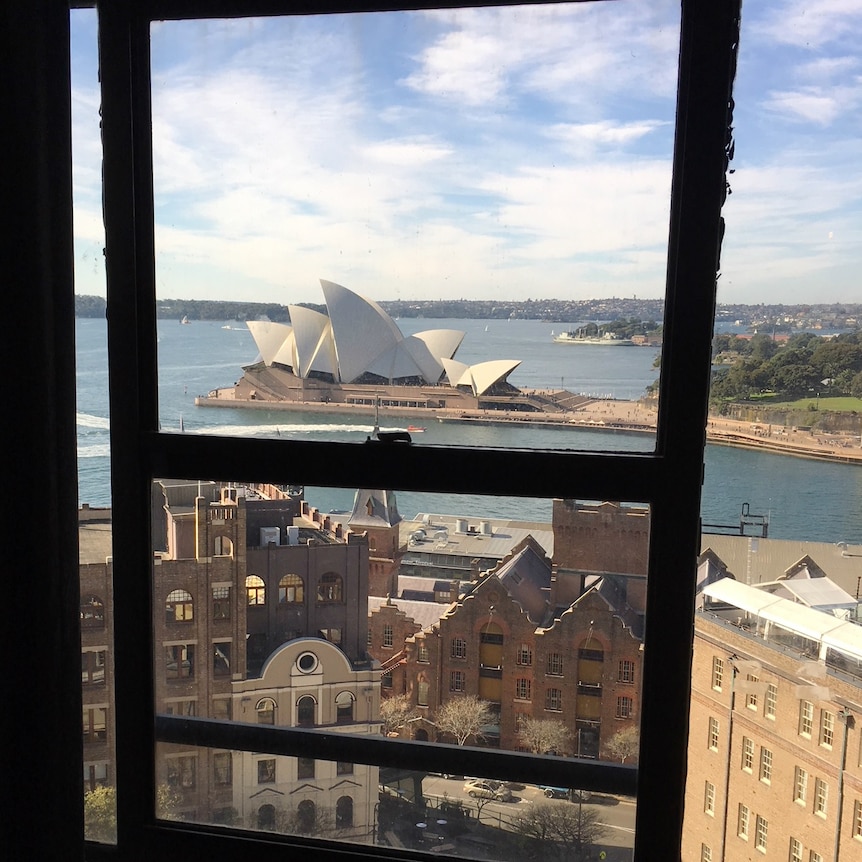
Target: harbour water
pixel 806 500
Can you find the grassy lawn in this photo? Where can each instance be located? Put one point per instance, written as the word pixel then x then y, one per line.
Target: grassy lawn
pixel 837 404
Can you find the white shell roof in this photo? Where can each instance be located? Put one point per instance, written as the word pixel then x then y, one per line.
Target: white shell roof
pixel 358 336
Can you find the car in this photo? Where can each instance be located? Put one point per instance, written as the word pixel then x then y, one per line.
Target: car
pixel 483 788
pixel 565 793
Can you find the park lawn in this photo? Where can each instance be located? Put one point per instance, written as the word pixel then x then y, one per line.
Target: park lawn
pixel 838 404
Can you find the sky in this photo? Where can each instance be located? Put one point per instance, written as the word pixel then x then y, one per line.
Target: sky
pixel 513 153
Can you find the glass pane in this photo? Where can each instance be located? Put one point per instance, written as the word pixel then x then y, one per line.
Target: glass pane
pixel 94 493
pixel 481 630
pixel 438 219
pixel 781 493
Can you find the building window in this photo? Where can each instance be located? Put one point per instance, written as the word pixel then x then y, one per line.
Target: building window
pixel 806 717
pixel 179 607
pixel 305 711
pixel 717 672
pixel 422 651
pixel 795 850
pixel 709 798
pixel 386 679
pixel 555 664
pixel 291 590
pixel 456 680
pixel 343 768
pixel 523 689
pixel 188 708
pixel 222 547
pixel 255 590
pixel 713 734
pixel 92 612
pixel 624 707
pixel 180 661
pixel 747 754
pixel 223 768
pixel 266 817
pixel 800 785
pixel 459 648
pixel 761 833
pixel 265 710
pixel 554 699
pixel 627 672
pixel 305 767
pixel 331 635
pixel 344 702
pixel 742 821
pixel 857 819
pixel 221 658
pixel 524 656
pixel 95 723
pixel 751 697
pixel 821 796
pixel 422 693
pixel 306 814
pixel 182 772
pixel 222 708
pixel 221 603
pixel 266 771
pixel 827 727
pixel 705 853
pixel 344 813
pixel 388 636
pixel 329 589
pixel 93 667
pixel 815 857
pixel 771 702
pixel 765 765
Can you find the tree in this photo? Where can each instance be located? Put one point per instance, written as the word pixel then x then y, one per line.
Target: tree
pixel 546 736
pixel 395 712
pixel 464 717
pixel 100 811
pixel 565 830
pixel 624 744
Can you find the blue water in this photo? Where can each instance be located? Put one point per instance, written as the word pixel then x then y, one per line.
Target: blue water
pixel 806 500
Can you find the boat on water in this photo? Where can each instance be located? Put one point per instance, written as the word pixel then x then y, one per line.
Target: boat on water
pixel 415 429
pixel 185 319
pixel 606 339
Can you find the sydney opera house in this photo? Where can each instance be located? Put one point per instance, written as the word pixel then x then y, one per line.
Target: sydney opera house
pixel 356 356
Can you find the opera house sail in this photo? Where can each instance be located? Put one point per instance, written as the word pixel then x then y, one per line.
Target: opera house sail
pixel 356 358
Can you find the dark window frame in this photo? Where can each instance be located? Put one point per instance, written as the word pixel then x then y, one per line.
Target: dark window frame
pixel 709 35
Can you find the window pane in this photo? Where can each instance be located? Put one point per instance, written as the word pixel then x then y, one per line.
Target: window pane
pixel 501 633
pixel 786 354
pixel 524 186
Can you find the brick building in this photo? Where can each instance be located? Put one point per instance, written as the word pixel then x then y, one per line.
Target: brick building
pixel 509 640
pixel 237 572
pixel 775 750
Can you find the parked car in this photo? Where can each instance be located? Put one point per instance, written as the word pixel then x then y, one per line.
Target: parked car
pixel 483 788
pixel 565 793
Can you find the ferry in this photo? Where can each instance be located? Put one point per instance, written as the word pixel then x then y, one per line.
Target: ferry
pixel 608 339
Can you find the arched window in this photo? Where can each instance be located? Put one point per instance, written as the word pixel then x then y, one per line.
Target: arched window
pixel 344 707
pixel 329 588
pixel 92 611
pixel 222 547
pixel 305 711
pixel 179 607
pixel 421 735
pixel 306 815
pixel 344 812
pixel 255 589
pixel 266 817
pixel 291 590
pixel 265 711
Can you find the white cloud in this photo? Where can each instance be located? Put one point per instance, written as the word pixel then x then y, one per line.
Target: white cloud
pixel 810 25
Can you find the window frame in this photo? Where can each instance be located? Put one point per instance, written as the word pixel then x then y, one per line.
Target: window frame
pixel 668 479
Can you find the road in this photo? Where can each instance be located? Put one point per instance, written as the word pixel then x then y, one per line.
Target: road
pixel 618 814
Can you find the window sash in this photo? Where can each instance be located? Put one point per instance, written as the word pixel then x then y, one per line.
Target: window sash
pixel 709 35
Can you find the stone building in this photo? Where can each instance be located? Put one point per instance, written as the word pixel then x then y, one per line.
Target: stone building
pixel 237 573
pixel 775 750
